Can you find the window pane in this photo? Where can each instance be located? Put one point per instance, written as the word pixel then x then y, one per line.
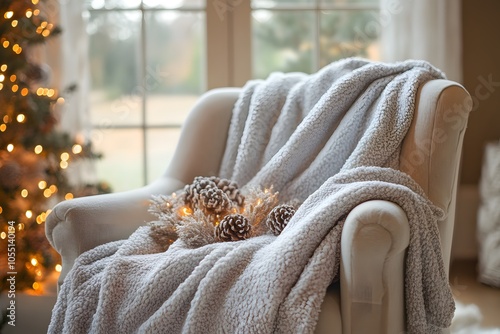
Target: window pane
pixel 175 3
pixel 282 41
pixel 175 74
pixel 281 3
pixel 351 2
pixel 121 165
pixel 349 33
pixel 161 147
pixel 114 54
pixel 110 4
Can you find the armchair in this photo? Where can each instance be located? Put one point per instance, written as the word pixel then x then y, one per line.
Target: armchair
pixel 370 295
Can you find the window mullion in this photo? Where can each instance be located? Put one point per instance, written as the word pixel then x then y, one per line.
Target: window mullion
pixel 144 96
pixel 217 44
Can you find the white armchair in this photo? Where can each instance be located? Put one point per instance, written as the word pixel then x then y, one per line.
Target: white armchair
pixel 370 296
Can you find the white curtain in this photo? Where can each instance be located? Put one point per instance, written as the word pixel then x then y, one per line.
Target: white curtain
pixel 423 29
pixel 67 57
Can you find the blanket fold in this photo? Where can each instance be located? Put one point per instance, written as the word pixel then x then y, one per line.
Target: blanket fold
pixel 330 140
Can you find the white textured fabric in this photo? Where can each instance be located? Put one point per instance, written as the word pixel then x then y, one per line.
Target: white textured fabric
pixel 489 217
pixel 314 138
pixel 423 29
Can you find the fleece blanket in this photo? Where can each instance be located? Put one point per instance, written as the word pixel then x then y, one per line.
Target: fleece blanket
pixel 329 140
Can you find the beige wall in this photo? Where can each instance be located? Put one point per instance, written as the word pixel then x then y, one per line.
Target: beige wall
pixel 481 63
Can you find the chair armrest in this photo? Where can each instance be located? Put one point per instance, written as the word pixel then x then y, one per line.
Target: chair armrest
pixel 81 224
pixel 374 239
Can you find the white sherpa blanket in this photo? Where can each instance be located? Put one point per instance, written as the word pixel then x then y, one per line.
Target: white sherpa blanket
pixel 325 139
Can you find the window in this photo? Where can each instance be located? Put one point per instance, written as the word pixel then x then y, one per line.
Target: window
pixel 151 59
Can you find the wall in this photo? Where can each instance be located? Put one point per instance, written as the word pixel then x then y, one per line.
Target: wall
pixel 481 64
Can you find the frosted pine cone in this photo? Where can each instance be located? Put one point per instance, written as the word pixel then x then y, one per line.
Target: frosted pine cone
pixel 214 200
pixel 192 191
pixel 279 217
pixel 233 228
pixel 230 188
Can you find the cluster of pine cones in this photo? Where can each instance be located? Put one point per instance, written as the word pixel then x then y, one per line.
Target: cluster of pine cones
pixel 219 197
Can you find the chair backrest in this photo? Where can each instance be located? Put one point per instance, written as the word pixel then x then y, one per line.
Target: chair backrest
pixel 430 153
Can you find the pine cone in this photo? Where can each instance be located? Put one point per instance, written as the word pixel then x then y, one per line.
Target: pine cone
pixel 192 191
pixel 279 217
pixel 230 188
pixel 233 228
pixel 214 200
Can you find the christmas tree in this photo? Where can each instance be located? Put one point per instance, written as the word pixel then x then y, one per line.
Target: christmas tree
pixel 34 152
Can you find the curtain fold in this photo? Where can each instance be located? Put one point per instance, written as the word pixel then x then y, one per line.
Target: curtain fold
pixel 423 29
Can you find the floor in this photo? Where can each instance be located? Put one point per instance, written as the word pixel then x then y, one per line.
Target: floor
pixel 468 290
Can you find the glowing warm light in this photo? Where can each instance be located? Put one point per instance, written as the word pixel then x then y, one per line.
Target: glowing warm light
pixel 58 268
pixel 3 127
pixel 39 91
pixel 3 68
pixel 29 214
pixel 34 261
pixel 77 148
pixel 29 13
pixel 1 209
pixel 15 88
pixel 64 156
pixel 47 193
pixel 38 273
pixel 14 23
pixel 53 189
pixel 17 49
pixel 36 286
pixel 68 196
pixel 36 12
pixel 39 220
pixel 46 33
pixel 2 77
pixel 8 14
pixel 24 91
pixel 20 226
pixel 185 211
pixel 42 184
pixel 6 44
pixel 60 100
pixel 35 2
pixel 51 92
pixel 13 78
pixel 24 193
pixel 1 86
pixel 63 164
pixel 3 235
pixel 6 119
pixel 44 24
pixel 45 91
pixel 38 149
pixel 20 118
pixel 10 147
pixel 39 30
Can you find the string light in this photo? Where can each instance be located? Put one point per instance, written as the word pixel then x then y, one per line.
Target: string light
pixel 24 193
pixel 38 149
pixel 58 268
pixel 42 185
pixel 3 68
pixel 6 119
pixel 35 285
pixel 36 12
pixel 53 189
pixel 34 262
pixel 14 23
pixel 46 33
pixel 76 149
pixel 64 156
pixel 1 86
pixel 3 127
pixel 63 164
pixel 35 2
pixel 51 92
pixel 39 91
pixel 68 196
pixel 5 44
pixel 15 88
pixel 29 12
pixel 1 209
pixel 60 100
pixel 47 193
pixel 10 147
pixel 21 118
pixel 24 91
pixel 3 235
pixel 20 226
pixel 2 77
pixel 9 14
pixel 29 214
pixel 44 24
pixel 13 78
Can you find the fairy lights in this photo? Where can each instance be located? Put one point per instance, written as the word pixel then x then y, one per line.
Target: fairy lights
pixel 42 185
pixel 9 14
pixel 77 149
pixel 10 147
pixel 38 149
